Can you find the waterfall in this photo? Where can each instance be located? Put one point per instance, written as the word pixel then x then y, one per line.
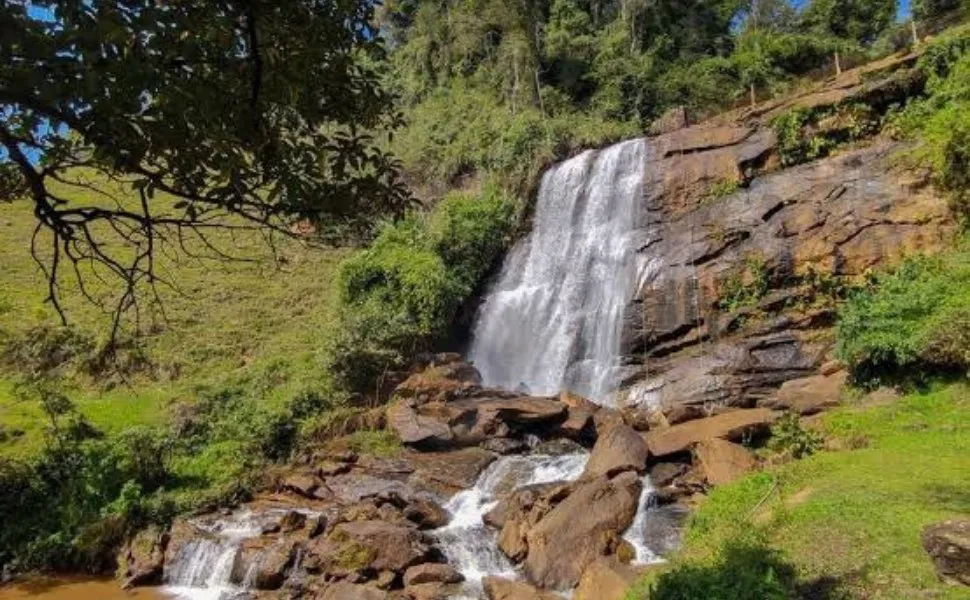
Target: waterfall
pixel 206 567
pixel 469 546
pixel 554 318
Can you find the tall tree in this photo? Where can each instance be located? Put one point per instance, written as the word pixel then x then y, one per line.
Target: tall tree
pixel 930 9
pixel 856 21
pixel 250 113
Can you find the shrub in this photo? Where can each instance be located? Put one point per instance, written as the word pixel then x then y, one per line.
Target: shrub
pixel 401 295
pixel 743 570
pixel 789 437
pixel 915 316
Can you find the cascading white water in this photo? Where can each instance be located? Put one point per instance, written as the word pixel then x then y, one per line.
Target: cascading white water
pixel 204 568
pixel 554 318
pixel 469 546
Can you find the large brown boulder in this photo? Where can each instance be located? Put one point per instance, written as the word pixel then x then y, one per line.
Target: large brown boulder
pixel 142 559
pixel 432 573
pixel 368 546
pixel 264 563
pixel 449 472
pixel 350 591
pixel 414 428
pixel 517 513
pixel 721 462
pixel 498 588
pixel 584 526
pixel 808 395
pixel 732 425
pixel 441 382
pixel 948 544
pixel 605 579
pixel 619 449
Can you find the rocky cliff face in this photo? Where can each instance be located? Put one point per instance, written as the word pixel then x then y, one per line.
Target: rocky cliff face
pixel 704 329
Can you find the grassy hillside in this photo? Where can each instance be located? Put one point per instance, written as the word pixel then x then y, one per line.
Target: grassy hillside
pixel 847 522
pixel 268 320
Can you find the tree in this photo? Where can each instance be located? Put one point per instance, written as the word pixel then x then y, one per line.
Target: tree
pixel 251 114
pixel 857 21
pixel 770 15
pixel 929 9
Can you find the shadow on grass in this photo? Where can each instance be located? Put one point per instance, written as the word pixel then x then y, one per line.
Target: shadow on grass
pixel 951 498
pixel 745 571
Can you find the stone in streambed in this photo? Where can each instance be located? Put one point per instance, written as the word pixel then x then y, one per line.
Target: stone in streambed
pixel 432 573
pixel 584 526
pixel 142 559
pixel 619 449
pixel 498 588
pixel 605 579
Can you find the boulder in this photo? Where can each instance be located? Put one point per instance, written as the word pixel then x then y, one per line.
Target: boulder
pixel 721 462
pixel 414 428
pixel 292 520
pixel 431 591
pixel 808 395
pixel 432 573
pixel 948 544
pixel 682 413
pixel 498 588
pixel 618 449
pixel 426 513
pixel 732 426
pixel 449 472
pixel 142 559
pixel 353 487
pixel 588 523
pixel 440 383
pixel 605 579
pixel 525 410
pixel 558 447
pixel 664 474
pixel 516 514
pixel 350 591
pixel 265 565
pixel 505 445
pixel 578 424
pixel 369 545
pixel 303 484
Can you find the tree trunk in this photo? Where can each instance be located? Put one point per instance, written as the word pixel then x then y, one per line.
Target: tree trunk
pixel 912 26
pixel 754 96
pixel 838 63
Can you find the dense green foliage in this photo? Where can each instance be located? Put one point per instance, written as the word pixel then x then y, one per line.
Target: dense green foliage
pixel 402 293
pixel 941 122
pixel 503 87
pixel 913 320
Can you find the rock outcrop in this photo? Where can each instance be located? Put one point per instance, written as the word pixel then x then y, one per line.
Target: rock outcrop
pixel 948 544
pixel 733 425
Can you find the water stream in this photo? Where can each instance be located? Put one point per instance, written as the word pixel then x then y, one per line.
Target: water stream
pixel 471 547
pixel 554 318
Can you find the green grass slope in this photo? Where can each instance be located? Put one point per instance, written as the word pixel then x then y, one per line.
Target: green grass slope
pixel 267 320
pixel 848 522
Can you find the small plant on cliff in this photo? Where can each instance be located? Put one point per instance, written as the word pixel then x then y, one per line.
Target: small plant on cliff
pixel 721 189
pixel 747 287
pixel 789 437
